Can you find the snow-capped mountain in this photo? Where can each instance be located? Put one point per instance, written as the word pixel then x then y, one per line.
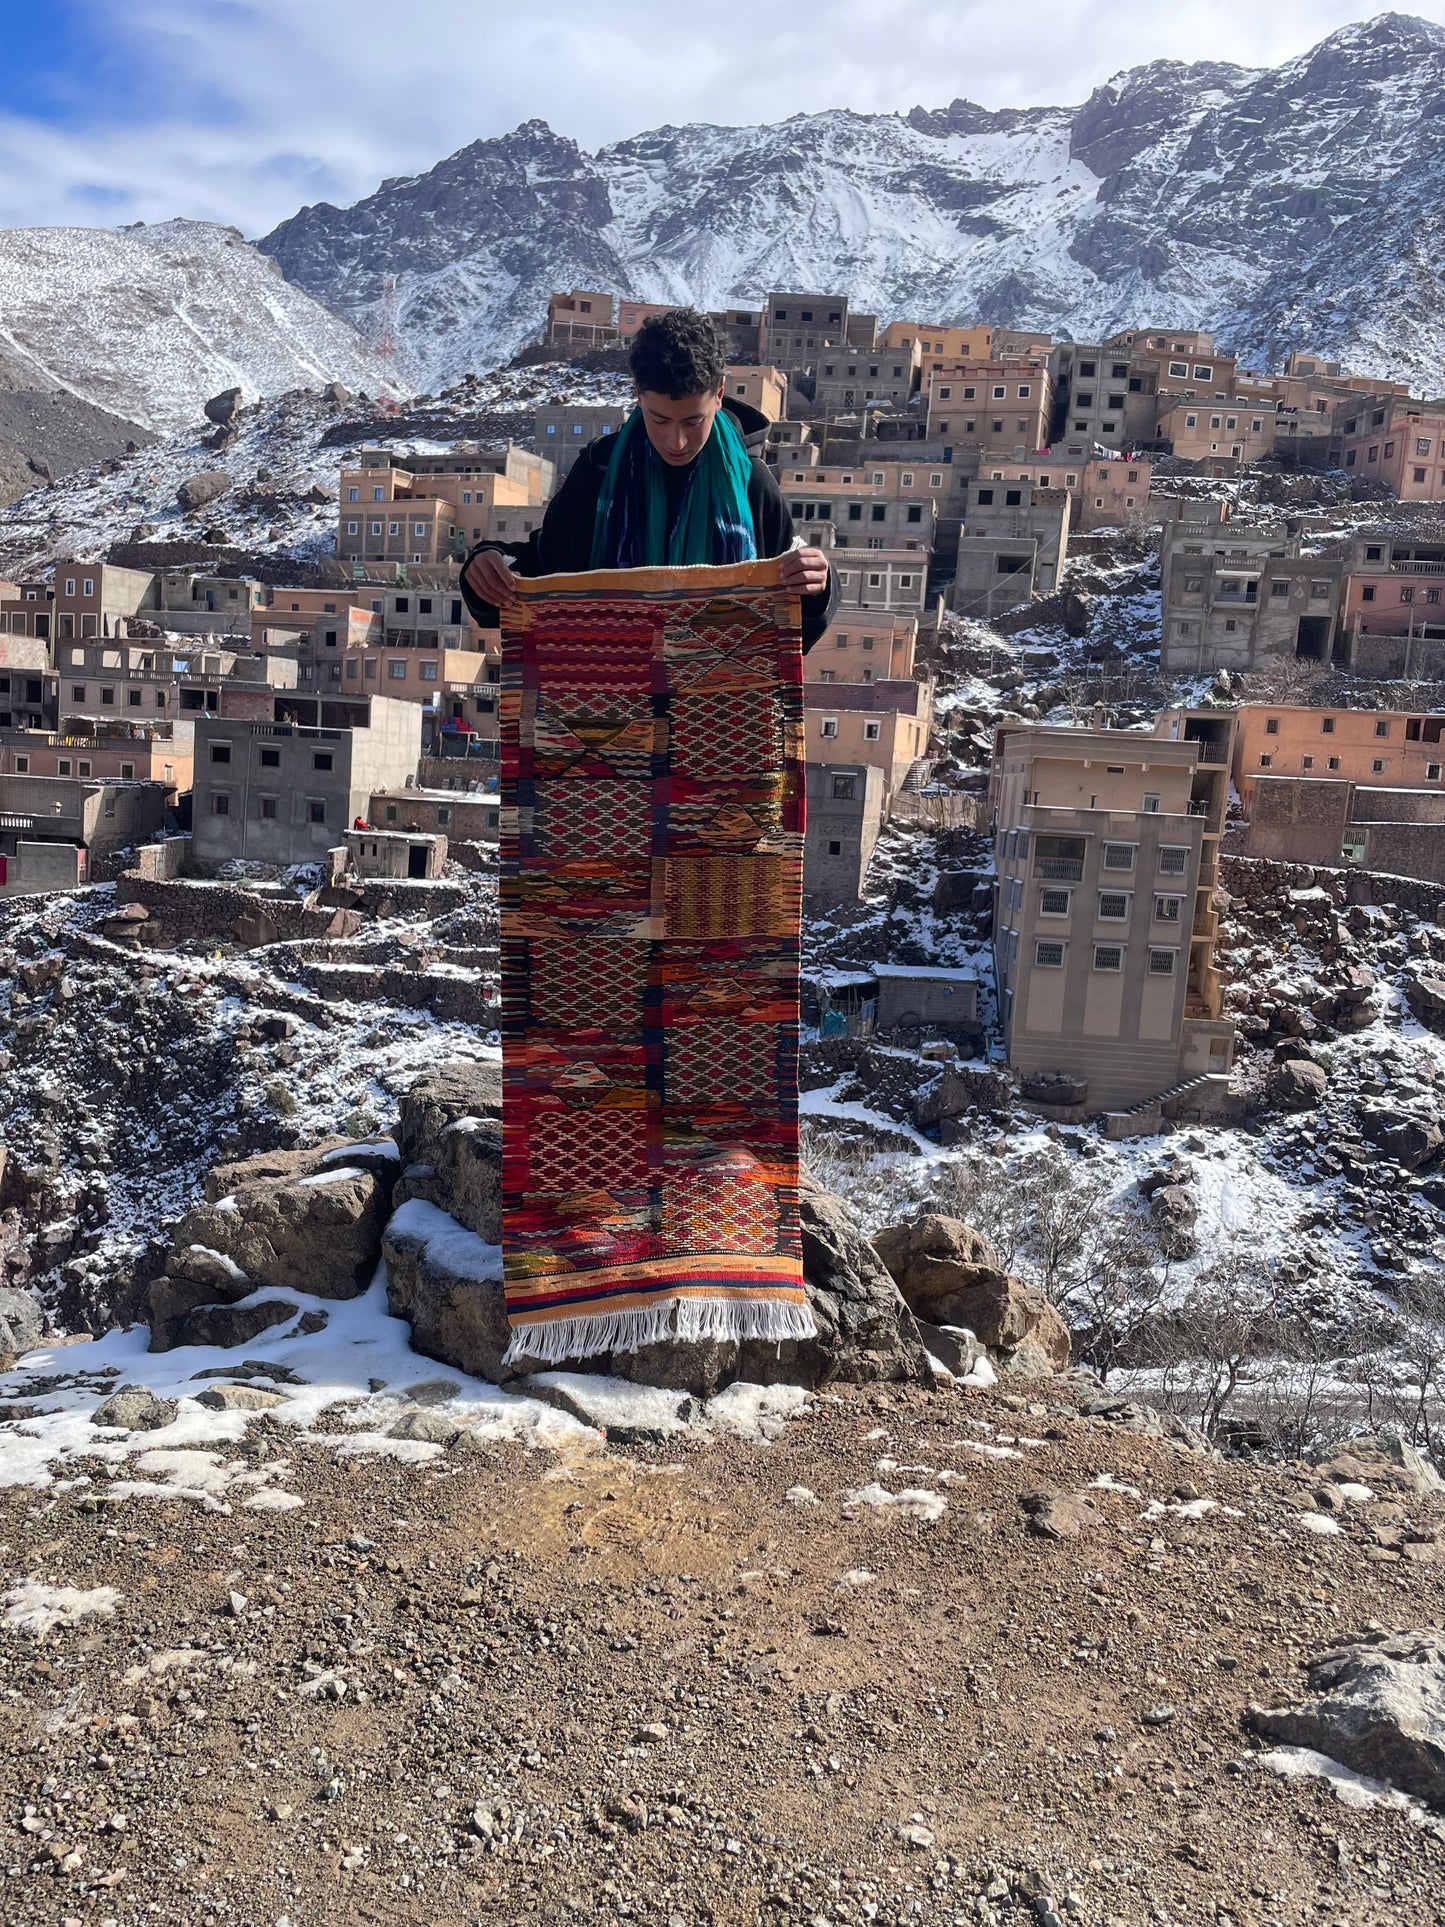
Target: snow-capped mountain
pixel 1298 205
pixel 147 322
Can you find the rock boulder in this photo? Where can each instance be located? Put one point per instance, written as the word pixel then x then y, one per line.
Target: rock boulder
pixel 446 1281
pixel 1297 1084
pixel 197 490
pixel 1380 1708
pixel 1405 1136
pixel 21 1324
pixel 450 1136
pixel 950 1274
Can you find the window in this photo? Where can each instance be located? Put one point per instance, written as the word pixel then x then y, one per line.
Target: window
pixel 220 803
pixel 1161 963
pixel 1271 725
pixel 1377 766
pixel 1166 909
pixel 1119 856
pixel 88 586
pixel 1332 762
pixel 1266 760
pixel 62 767
pixel 1173 861
pixel 1108 956
pixel 77 692
pixel 1407 595
pixel 1279 588
pixel 220 752
pixel 843 789
pixel 270 759
pixel 828 726
pixel 1367 594
pixel 1053 903
pixel 266 808
pixel 1327 725
pixel 1113 906
pixel 107 695
pixel 872 732
pixel 1382 726
pixel 1152 802
pixel 22 765
pixel 1432 772
pixel 985 497
pixel 321 759
pixel 1048 955
pixel 396 669
pixel 1307 762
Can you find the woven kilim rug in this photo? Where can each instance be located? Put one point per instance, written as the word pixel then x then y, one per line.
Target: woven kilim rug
pixel 651 883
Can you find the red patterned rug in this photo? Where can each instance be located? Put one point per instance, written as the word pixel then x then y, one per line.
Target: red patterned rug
pixel 652 860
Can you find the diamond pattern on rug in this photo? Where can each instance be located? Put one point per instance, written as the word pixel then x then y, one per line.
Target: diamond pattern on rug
pixel 604 1150
pixel 592 820
pixel 725 736
pixel 596 983
pixel 702 1212
pixel 716 1057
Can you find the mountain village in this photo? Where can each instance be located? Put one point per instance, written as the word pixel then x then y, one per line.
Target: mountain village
pixel 1085 1565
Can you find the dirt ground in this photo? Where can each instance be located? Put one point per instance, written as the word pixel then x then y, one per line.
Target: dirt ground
pixel 659 1684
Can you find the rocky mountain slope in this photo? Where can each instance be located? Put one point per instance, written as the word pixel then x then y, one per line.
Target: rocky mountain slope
pixel 1297 205
pixel 145 323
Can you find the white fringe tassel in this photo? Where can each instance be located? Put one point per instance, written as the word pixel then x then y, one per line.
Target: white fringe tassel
pixel 676 1320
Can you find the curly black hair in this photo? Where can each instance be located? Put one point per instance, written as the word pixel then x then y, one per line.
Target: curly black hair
pixel 677 354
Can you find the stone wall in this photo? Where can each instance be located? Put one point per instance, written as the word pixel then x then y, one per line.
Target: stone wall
pixel 1260 880
pixel 183 909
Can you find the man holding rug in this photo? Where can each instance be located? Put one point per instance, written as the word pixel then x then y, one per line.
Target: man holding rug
pixel 682 483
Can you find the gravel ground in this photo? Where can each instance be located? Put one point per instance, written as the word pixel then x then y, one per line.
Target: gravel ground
pixel 696 1683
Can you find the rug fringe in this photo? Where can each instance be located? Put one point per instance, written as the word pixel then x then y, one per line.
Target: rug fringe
pixel 675 1320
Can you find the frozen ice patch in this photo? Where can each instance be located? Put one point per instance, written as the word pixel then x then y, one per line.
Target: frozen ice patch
pixel 914 1502
pixel 35 1608
pixel 1321 1523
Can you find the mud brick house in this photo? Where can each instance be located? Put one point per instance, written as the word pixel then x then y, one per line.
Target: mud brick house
pixel 53 830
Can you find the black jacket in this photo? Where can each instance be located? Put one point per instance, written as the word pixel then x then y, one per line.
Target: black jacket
pixel 563 544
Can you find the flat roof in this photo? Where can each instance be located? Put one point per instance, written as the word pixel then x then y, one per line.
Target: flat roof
pixel 938 973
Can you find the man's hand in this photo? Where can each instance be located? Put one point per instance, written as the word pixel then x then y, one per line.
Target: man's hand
pixel 804 571
pixel 488 575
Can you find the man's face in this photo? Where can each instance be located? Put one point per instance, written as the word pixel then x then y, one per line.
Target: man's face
pixel 678 430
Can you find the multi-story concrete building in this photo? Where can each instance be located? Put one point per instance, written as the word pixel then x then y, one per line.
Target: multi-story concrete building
pixel 845 815
pixel 285 793
pixel 1392 618
pixel 862 648
pixel 765 389
pixel 857 381
pixel 582 318
pixel 1397 442
pixel 1104 394
pixel 885 505
pixel 1235 598
pixel 192 603
pixel 1105 491
pixel 1106 843
pixel 883 724
pixel 561 430
pixel 895 580
pixel 797 329
pixel 27 694
pixel 1188 362
pixel 98 599
pixel 1004 404
pixel 53 830
pixel 937 347
pixel 157 750
pixel 25 609
pixel 1231 431
pixel 1374 748
pixel 429 509
pixel 1012 545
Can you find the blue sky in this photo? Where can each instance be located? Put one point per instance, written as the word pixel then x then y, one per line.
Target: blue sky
pixel 243 110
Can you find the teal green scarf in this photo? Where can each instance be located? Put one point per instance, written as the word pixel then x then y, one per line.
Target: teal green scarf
pixel 711 519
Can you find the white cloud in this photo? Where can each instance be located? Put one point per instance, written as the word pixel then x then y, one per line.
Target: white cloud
pixel 242 110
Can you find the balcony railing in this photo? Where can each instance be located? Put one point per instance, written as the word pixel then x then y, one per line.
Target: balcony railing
pixel 1417 568
pixel 1210 752
pixel 1060 869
